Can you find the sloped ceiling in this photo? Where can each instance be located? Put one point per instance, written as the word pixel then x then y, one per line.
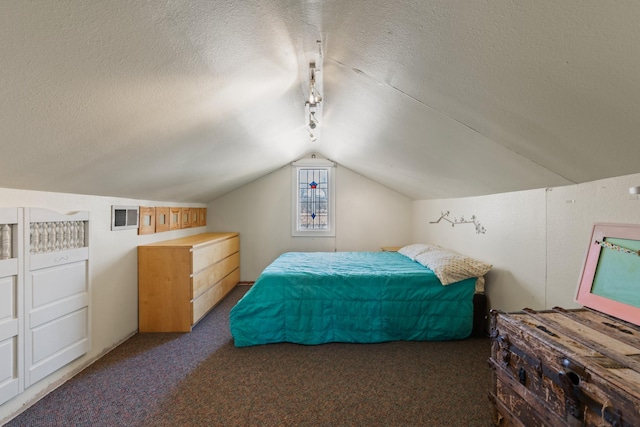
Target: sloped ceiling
pixel 183 100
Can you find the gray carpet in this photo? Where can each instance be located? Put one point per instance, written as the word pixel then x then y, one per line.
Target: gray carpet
pixel 201 379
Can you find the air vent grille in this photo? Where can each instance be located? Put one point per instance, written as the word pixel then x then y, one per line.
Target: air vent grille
pixel 124 217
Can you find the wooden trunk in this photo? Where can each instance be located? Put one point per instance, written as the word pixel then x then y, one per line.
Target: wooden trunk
pixel 564 368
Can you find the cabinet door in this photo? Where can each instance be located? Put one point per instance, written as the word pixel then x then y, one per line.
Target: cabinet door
pixel 175 218
pixel 185 218
pixel 56 292
pixel 9 337
pixel 202 219
pixel 11 334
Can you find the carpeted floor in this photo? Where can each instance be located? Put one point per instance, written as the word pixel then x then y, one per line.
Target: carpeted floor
pixel 201 379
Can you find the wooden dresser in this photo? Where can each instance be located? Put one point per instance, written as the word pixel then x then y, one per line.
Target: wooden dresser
pixel 180 280
pixel 564 368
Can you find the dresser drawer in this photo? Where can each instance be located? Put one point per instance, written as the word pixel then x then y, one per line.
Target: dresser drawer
pixel 206 256
pixel 205 302
pixel 205 278
pixel 210 254
pixel 230 246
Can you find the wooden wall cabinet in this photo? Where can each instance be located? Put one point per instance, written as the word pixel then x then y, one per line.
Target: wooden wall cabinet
pixel 147 224
pixel 162 219
pixel 175 218
pixel 202 220
pixel 186 218
pixel 181 280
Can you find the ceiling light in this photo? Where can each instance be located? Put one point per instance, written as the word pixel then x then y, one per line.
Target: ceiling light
pixel 312 105
pixel 314 93
pixel 312 137
pixel 313 101
pixel 313 122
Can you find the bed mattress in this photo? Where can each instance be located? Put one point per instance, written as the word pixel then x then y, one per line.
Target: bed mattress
pixel 359 297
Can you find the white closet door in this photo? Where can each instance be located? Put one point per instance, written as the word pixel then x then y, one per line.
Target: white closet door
pixel 11 336
pixel 56 291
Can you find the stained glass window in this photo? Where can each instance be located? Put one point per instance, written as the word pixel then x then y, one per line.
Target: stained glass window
pixel 313 201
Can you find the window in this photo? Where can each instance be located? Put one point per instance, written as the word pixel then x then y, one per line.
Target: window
pixel 313 198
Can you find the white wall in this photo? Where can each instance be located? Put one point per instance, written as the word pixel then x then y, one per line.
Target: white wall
pixel 368 216
pixel 536 240
pixel 572 212
pixel 513 242
pixel 113 274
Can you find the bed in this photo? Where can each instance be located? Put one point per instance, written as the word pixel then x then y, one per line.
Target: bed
pixel 358 297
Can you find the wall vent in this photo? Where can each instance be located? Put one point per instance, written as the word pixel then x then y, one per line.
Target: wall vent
pixel 124 217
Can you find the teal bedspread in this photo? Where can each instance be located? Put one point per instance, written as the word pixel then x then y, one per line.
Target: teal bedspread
pixel 358 297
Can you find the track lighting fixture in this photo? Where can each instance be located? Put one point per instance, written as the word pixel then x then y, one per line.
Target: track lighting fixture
pixel 312 137
pixel 313 122
pixel 314 94
pixel 313 99
pixel 313 102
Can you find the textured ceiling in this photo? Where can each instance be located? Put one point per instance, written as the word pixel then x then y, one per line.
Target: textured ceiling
pixel 186 100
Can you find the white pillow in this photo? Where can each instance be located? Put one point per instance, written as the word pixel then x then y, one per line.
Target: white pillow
pixel 451 267
pixel 415 249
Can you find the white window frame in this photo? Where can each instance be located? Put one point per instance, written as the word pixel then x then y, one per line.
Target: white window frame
pixel 330 231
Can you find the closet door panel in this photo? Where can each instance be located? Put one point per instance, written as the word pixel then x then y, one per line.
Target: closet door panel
pixel 8 298
pixel 9 267
pixel 57 343
pixel 7 353
pixel 58 334
pixel 51 259
pixel 47 314
pixel 9 329
pixel 9 384
pixel 57 291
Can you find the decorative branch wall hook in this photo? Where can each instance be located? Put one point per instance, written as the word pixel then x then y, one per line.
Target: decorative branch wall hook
pixel 445 216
